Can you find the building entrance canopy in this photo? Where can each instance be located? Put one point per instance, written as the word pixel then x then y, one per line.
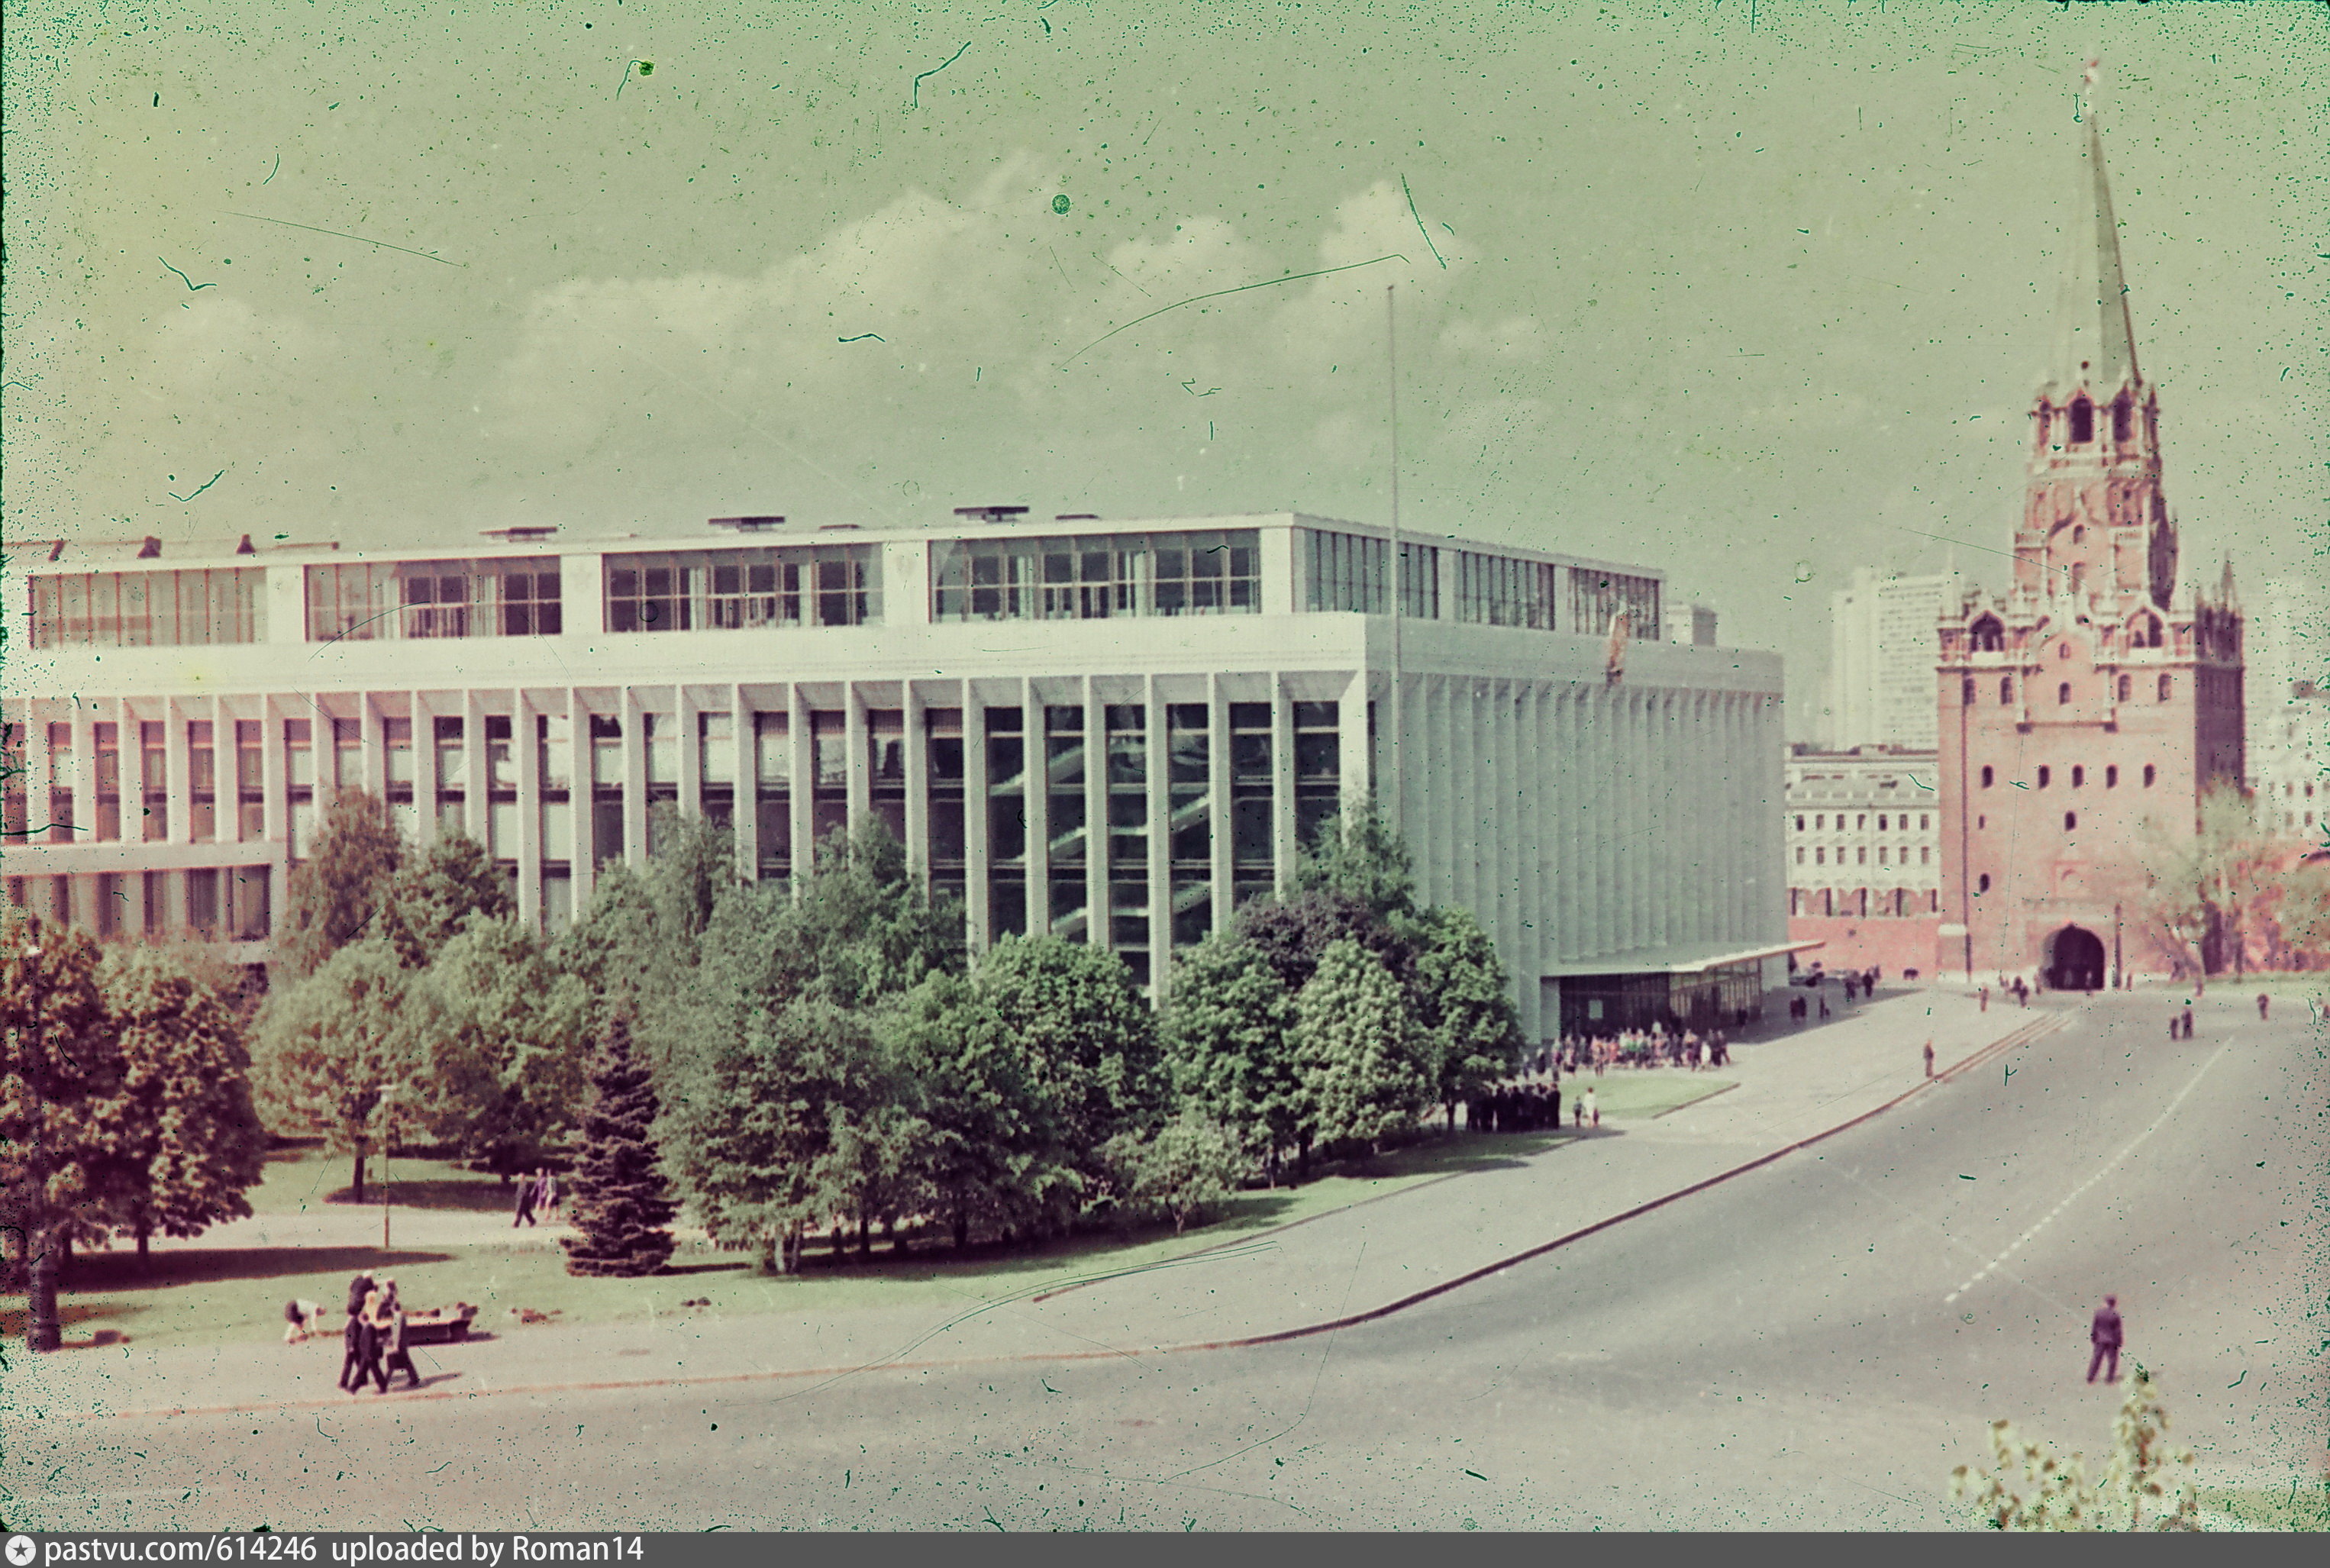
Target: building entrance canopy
pixel 1673 988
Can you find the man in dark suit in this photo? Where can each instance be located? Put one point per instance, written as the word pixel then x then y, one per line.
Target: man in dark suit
pixel 2104 1334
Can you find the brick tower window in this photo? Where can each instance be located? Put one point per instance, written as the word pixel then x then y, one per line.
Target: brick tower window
pixel 2070 821
pixel 2079 776
pixel 2150 773
pixel 2111 777
pixel 2123 420
pixel 2083 421
pixel 2044 775
pixel 1987 778
pixel 1989 637
pixel 1982 884
pixel 2006 691
pixel 2126 687
pixel 2064 694
pixel 2167 686
pixel 1965 692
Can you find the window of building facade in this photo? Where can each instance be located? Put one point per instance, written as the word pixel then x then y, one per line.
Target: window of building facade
pixel 1965 692
pixel 2006 691
pixel 202 781
pixel 2149 774
pixel 372 602
pixel 1189 825
pixel 1126 725
pixel 1065 755
pixel 1206 571
pixel 1820 856
pixel 1982 884
pixel 1881 823
pixel 2167 685
pixel 1318 767
pixel 1926 855
pixel 146 608
pixel 772 807
pixel 2070 821
pixel 1800 854
pixel 1989 637
pixel 743 588
pixel 1988 777
pixel 2045 775
pixel 1596 596
pixel 2126 686
pixel 1861 858
pixel 1350 573
pixel 1800 822
pixel 1924 821
pixel 1500 590
pixel 2083 421
pixel 2111 776
pixel 1006 820
pixel 2064 694
pixel 1251 811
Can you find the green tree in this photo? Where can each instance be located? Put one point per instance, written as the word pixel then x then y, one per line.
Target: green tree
pixel 755 1130
pixel 1181 1170
pixel 343 1053
pixel 1357 856
pixel 189 1141
pixel 1227 1032
pixel 1366 1064
pixel 2302 911
pixel 2147 1483
pixel 2204 883
pixel 1089 1034
pixel 435 898
pixel 57 1171
pixel 618 1199
pixel 509 1057
pixel 1465 1005
pixel 331 897
pixel 988 1151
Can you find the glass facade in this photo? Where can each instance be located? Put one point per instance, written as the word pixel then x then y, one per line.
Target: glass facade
pixel 1007 821
pixel 743 588
pixel 1199 573
pixel 1350 573
pixel 369 602
pixel 146 608
pixel 772 771
pixel 1064 819
pixel 1189 820
pixel 1500 590
pixel 1595 596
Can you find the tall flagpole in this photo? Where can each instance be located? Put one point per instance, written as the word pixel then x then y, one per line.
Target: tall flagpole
pixel 1398 572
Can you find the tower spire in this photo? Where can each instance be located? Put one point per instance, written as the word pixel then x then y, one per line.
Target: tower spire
pixel 2094 345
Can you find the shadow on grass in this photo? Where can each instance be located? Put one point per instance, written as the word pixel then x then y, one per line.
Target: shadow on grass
pixel 102 1274
pixel 474 1197
pixel 16 1321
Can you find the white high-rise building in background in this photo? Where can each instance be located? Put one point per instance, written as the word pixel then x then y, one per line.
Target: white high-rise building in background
pixel 1881 680
pixel 2289 705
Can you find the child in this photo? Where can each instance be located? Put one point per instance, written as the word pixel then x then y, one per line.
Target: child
pixel 300 1319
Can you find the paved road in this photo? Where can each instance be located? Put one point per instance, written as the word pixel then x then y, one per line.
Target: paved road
pixel 1811 1346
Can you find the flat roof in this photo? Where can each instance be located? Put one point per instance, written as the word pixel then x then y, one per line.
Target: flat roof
pixel 1685 958
pixel 123 555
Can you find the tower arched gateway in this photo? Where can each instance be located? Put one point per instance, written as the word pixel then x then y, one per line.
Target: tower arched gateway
pixel 2075 960
pixel 2098 697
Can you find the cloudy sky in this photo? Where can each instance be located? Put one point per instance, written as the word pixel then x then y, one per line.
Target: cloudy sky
pixel 1754 290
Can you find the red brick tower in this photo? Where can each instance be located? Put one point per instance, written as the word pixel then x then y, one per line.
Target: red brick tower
pixel 2098 695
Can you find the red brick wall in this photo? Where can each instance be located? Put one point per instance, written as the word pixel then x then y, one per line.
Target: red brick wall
pixel 1890 944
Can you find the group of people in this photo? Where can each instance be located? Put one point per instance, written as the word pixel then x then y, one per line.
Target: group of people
pixel 1530 1105
pixel 1651 1047
pixel 373 1347
pixel 537 1193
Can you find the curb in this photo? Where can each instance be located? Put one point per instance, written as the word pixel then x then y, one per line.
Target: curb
pixel 2036 1029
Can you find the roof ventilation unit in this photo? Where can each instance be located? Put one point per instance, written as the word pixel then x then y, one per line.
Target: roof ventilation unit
pixel 748 524
pixel 992 513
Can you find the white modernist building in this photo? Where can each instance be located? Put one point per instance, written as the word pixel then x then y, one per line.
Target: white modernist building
pixel 2286 706
pixel 1882 647
pixel 1113 731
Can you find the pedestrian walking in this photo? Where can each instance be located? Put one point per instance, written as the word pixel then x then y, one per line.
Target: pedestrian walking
pixel 2104 1337
pixel 1593 1112
pixel 1930 1058
pixel 389 1325
pixel 529 1188
pixel 358 1289
pixel 1824 1006
pixel 549 1194
pixel 2264 1001
pixel 1986 999
pixel 352 1353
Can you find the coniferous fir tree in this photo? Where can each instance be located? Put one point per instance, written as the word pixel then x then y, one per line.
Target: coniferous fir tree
pixel 620 1202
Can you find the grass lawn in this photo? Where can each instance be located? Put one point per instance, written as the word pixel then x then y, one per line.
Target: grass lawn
pixel 1639 1094
pixel 198 1295
pixel 2298 1507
